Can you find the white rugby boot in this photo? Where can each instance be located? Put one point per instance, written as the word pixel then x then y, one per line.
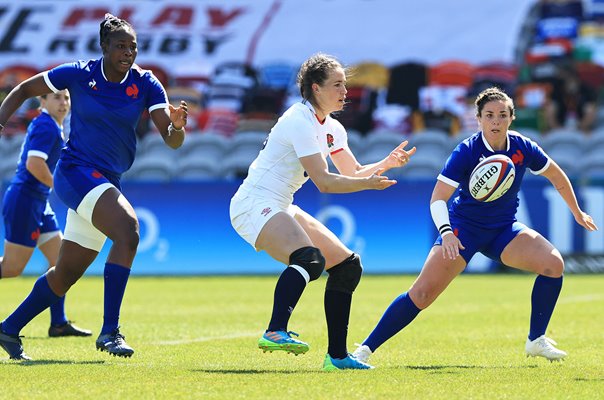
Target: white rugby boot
pixel 543 347
pixel 362 353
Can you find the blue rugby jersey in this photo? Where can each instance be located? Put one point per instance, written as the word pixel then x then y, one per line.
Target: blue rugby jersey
pixel 44 139
pixel 104 114
pixel 524 153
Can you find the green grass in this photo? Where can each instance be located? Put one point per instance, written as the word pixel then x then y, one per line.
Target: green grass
pixel 196 338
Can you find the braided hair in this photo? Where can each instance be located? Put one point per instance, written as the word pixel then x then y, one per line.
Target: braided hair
pixel 111 24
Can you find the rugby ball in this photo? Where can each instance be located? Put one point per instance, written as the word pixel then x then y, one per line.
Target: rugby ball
pixel 492 178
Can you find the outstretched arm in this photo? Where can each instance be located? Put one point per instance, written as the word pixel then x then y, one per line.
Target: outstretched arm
pixel 560 181
pixel 317 169
pixel 348 165
pixel 34 86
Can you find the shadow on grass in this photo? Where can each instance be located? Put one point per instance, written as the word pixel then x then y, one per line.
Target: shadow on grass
pixel 253 371
pixel 451 369
pixel 33 363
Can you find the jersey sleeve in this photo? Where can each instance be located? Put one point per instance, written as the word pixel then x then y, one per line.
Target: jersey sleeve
pixel 539 161
pixel 302 136
pixel 456 167
pixel 60 77
pixel 157 98
pixel 41 140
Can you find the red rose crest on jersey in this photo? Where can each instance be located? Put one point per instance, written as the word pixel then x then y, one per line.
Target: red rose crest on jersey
pixel 518 158
pixel 132 91
pixel 329 140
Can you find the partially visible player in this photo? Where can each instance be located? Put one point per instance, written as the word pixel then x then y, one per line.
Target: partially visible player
pixel 263 214
pixel 470 226
pixel 109 96
pixel 29 221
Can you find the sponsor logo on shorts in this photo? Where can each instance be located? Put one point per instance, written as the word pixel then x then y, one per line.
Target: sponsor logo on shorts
pixel 35 234
pixel 266 211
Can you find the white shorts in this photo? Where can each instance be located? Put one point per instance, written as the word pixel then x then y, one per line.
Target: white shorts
pixel 79 228
pixel 250 214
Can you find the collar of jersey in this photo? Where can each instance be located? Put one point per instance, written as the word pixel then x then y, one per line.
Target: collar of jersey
pixel 105 77
pixel 488 146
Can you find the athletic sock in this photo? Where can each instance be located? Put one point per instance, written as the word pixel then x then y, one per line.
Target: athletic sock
pixel 543 300
pixel 337 314
pixel 116 278
pixel 397 316
pixel 40 298
pixel 57 312
pixel 288 291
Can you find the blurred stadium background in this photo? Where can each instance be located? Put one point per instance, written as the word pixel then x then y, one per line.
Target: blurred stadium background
pixel 415 69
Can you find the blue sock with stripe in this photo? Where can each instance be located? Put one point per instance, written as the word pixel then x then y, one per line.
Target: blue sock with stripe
pixel 116 278
pixel 398 315
pixel 543 300
pixel 38 300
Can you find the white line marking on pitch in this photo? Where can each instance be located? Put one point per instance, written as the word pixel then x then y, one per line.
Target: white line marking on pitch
pixel 586 298
pixel 208 338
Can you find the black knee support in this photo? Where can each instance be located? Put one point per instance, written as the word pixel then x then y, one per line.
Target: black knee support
pixel 345 276
pixel 309 258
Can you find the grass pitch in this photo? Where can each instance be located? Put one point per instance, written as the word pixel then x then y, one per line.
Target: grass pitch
pixel 196 338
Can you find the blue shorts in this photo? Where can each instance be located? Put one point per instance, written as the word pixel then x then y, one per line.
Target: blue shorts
pixel 72 182
pixel 26 216
pixel 489 242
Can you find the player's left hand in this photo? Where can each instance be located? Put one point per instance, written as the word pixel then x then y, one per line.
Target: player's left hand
pixel 178 116
pixel 586 221
pixel 399 156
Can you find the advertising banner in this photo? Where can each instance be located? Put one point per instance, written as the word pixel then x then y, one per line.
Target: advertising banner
pixel 185 227
pixel 190 37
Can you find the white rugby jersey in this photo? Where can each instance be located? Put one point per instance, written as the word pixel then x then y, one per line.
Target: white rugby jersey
pixel 277 172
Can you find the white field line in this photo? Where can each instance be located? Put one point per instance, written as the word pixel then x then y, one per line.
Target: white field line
pixel 586 298
pixel 237 335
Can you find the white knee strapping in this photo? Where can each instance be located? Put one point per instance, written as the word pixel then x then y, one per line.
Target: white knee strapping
pixel 87 204
pixel 82 232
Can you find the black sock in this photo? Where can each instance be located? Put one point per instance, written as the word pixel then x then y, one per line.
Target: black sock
pixel 337 314
pixel 288 291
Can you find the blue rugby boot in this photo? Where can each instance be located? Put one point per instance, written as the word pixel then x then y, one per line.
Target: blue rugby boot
pixel 335 364
pixel 13 346
pixel 115 344
pixel 282 340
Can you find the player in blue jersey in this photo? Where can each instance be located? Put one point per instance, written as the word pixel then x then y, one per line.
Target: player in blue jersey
pixel 109 95
pixel 29 221
pixel 470 226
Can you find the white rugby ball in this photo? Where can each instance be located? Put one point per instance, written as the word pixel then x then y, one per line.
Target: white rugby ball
pixel 492 178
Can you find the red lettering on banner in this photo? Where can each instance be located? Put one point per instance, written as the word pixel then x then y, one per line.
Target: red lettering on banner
pixel 78 15
pixel 219 18
pixel 175 15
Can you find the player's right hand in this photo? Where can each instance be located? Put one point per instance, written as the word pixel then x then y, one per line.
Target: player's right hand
pixel 450 246
pixel 379 182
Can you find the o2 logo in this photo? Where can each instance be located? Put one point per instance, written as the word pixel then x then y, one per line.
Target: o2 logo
pixel 150 239
pixel 348 225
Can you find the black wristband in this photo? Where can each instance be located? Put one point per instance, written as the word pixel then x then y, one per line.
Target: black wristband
pixel 445 228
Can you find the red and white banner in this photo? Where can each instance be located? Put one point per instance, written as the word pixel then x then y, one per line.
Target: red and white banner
pixel 192 36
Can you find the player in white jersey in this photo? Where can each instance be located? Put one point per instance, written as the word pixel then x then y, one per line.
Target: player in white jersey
pixel 470 226
pixel 263 214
